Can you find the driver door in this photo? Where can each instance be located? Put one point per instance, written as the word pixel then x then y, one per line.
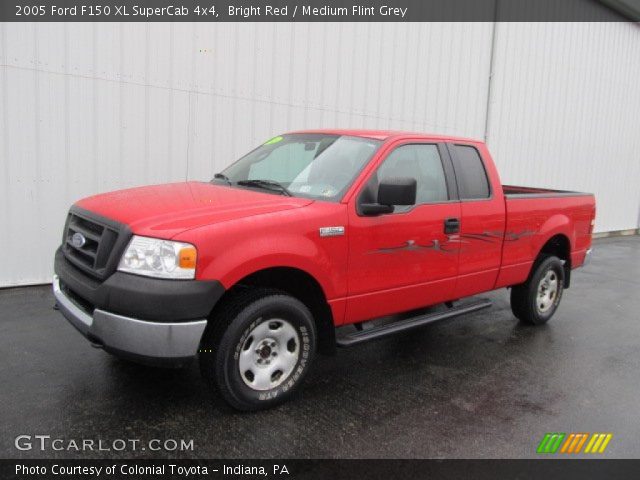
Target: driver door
pixel 403 260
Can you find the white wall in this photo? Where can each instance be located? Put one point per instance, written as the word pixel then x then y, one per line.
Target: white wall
pixel 565 112
pixel 86 108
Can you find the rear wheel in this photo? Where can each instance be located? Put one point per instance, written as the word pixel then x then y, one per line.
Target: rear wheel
pixel 258 349
pixel 535 301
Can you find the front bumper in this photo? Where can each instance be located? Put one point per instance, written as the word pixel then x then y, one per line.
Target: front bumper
pixel 140 340
pixel 136 296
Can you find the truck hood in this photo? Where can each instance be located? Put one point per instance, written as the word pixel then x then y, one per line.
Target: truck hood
pixel 166 210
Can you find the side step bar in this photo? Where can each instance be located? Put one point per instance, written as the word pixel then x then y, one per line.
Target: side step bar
pixel 410 323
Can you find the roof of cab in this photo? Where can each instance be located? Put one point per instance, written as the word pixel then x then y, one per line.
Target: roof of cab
pixel 386 134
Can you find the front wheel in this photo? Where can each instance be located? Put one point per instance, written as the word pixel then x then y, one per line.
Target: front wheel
pixel 258 349
pixel 535 301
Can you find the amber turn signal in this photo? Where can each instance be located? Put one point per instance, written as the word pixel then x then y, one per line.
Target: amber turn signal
pixel 187 257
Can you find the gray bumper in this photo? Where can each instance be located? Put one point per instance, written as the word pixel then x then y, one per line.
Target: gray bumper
pixel 587 258
pixel 141 340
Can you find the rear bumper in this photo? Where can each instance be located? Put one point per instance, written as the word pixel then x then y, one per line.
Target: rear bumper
pixel 587 257
pixel 140 340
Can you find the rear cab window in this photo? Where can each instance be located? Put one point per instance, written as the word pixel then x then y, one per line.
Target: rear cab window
pixel 471 175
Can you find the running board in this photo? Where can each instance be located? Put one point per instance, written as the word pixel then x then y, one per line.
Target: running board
pixel 410 323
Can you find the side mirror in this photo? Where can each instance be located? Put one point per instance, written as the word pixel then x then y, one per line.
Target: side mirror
pixel 391 192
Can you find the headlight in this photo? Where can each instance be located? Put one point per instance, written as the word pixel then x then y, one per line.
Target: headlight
pixel 159 258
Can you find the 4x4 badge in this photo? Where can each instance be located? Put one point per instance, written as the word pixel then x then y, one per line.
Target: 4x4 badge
pixel 331 231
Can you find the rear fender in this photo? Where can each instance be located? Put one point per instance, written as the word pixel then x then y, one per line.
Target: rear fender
pixel 558 224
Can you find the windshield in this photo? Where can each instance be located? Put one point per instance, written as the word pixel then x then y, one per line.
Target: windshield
pixel 315 166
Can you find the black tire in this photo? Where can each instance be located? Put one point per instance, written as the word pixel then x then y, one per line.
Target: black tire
pixel 527 303
pixel 228 342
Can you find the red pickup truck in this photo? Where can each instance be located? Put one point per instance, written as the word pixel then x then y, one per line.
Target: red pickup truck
pixel 312 240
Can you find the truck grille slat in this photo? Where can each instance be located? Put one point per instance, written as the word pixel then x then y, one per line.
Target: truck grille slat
pixel 85 251
pixel 92 235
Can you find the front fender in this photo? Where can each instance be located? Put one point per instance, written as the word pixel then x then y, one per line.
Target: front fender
pixel 230 251
pixel 249 257
pixel 230 256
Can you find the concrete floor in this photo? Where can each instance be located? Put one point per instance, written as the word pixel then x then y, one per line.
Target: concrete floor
pixel 475 387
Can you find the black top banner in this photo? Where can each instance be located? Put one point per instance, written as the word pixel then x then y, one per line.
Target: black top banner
pixel 318 10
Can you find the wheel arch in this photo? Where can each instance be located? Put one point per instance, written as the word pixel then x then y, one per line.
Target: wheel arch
pixel 558 245
pixel 301 285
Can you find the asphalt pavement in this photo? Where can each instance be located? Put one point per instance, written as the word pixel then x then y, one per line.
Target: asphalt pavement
pixel 479 386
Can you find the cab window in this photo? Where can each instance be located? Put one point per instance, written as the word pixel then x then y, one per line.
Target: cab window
pixel 419 161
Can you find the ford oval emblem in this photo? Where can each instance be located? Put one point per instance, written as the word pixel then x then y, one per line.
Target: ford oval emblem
pixel 78 240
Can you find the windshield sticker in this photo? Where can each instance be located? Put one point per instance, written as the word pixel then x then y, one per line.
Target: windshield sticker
pixel 274 140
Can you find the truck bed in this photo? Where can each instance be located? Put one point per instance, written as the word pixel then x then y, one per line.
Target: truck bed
pixel 533 215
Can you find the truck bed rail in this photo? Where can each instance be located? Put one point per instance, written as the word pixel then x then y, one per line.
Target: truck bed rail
pixel 513 191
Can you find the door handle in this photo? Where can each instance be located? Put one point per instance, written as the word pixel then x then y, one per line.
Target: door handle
pixel 451 225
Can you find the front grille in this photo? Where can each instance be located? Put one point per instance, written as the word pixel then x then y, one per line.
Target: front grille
pixel 96 255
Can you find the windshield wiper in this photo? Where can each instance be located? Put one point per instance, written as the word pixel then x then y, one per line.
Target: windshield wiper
pixel 267 185
pixel 222 176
